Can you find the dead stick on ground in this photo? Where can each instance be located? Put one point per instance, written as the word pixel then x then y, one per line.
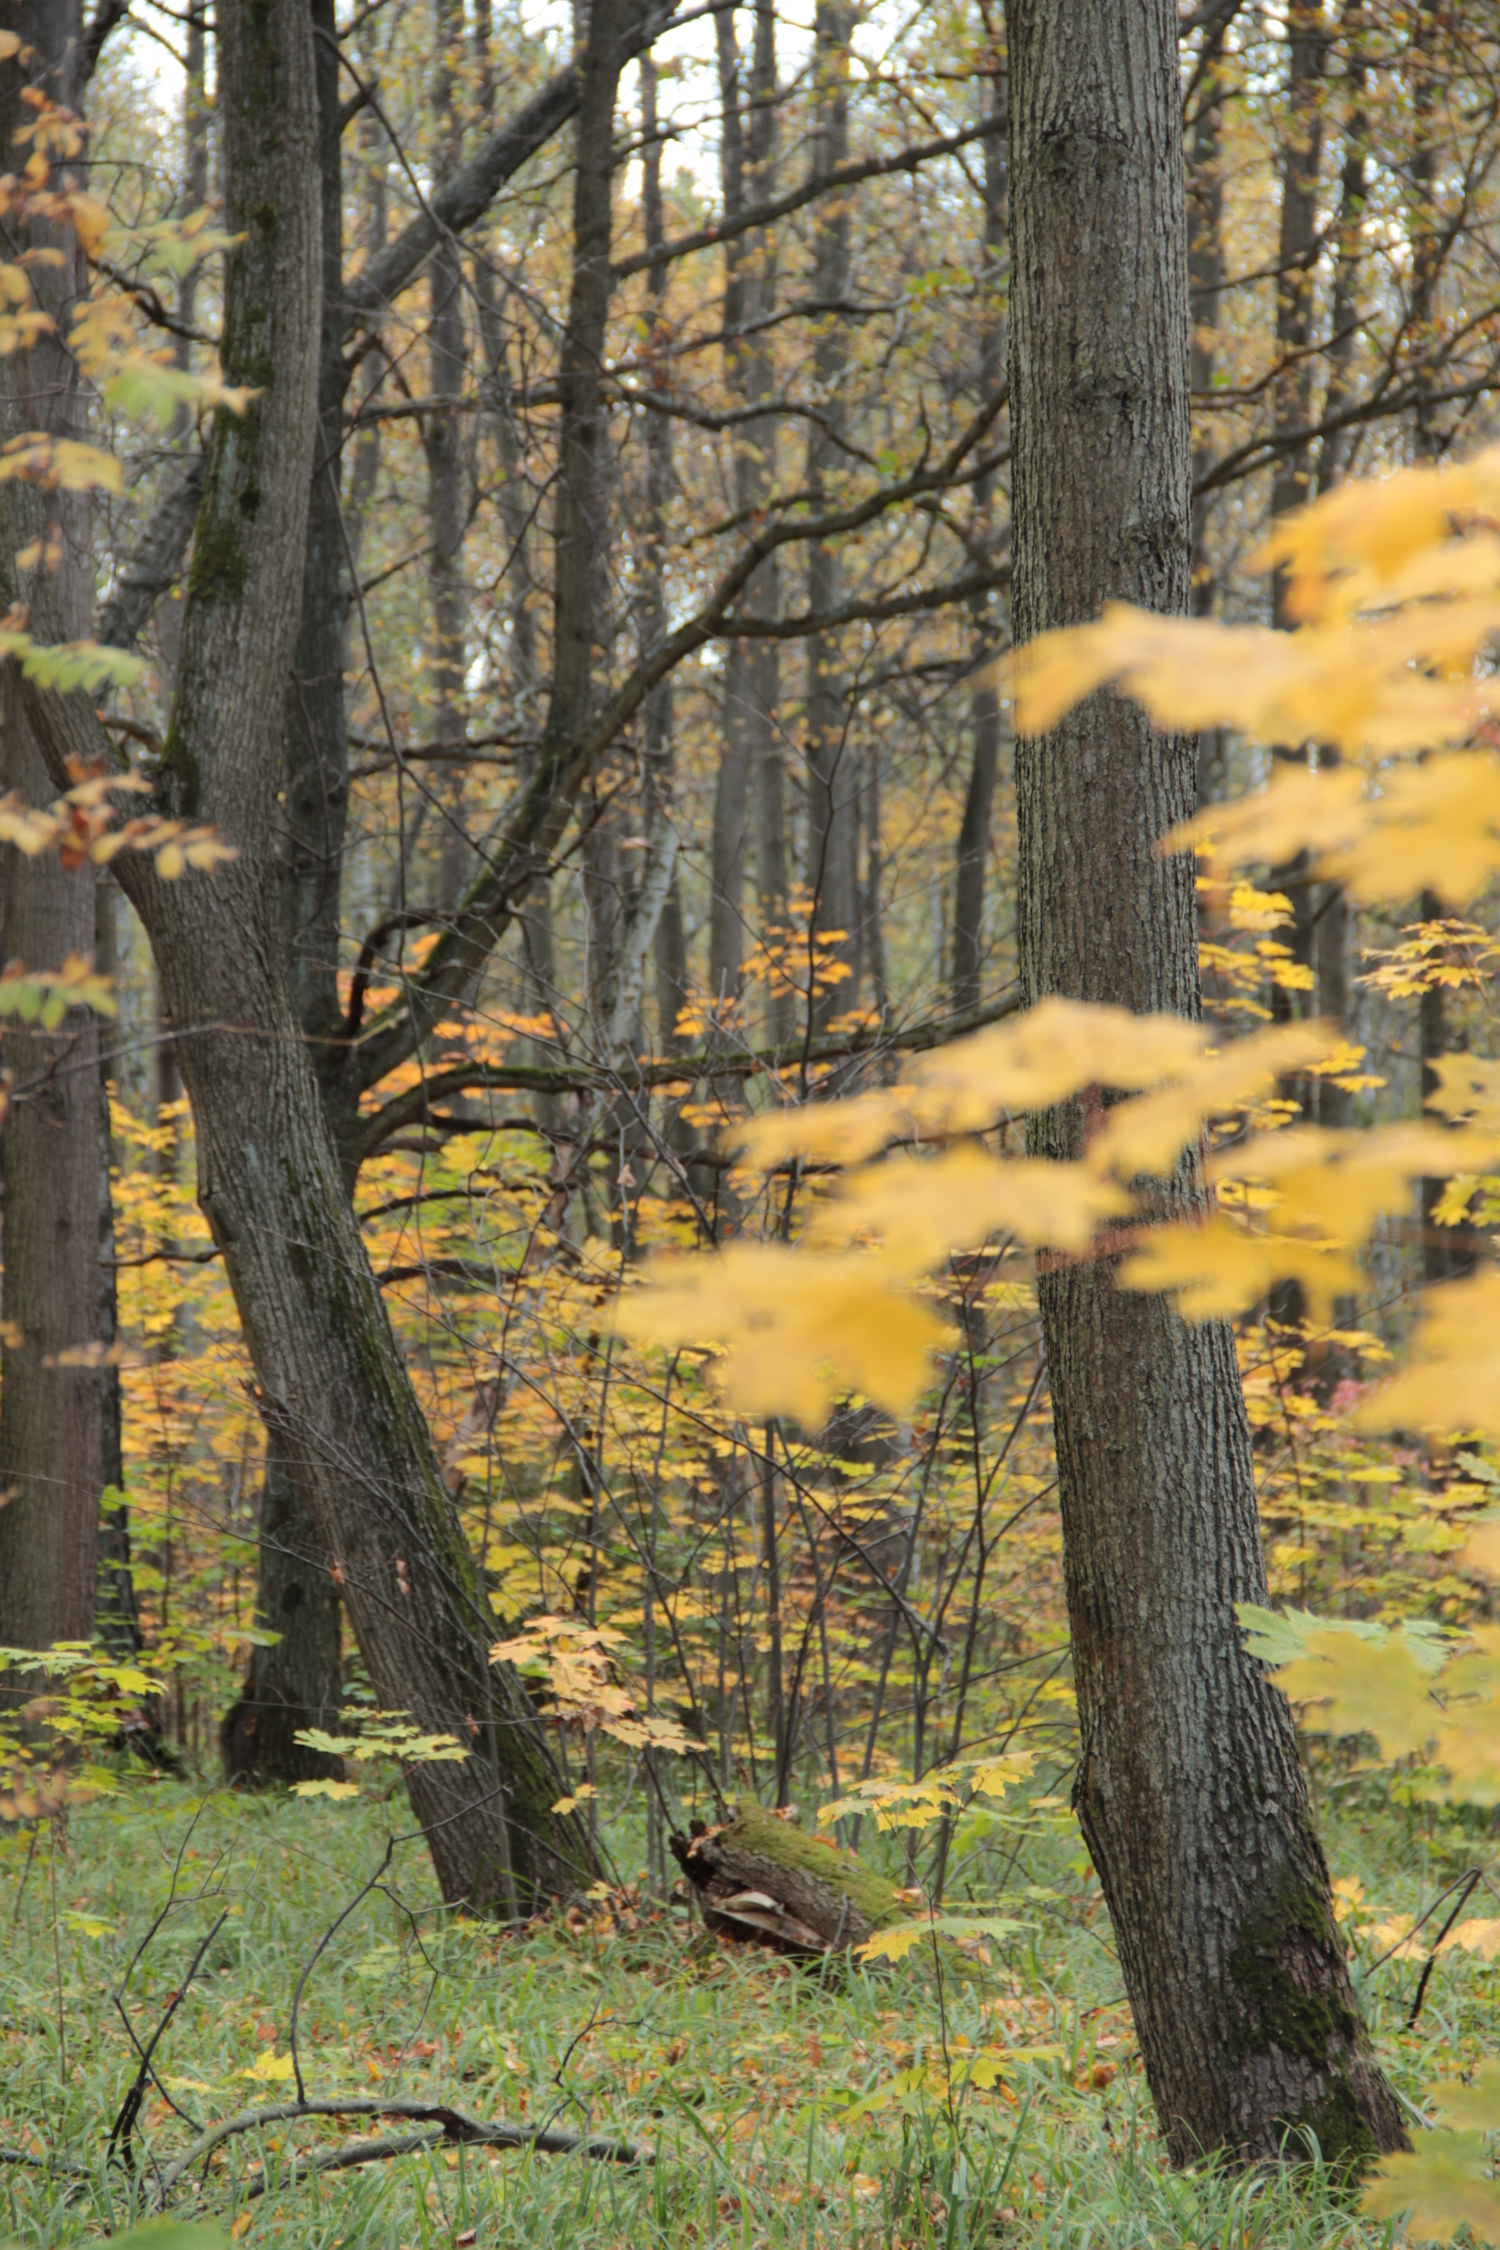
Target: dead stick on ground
pixel 455 2127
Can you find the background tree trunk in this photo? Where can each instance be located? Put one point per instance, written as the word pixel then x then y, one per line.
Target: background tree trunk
pixel 333 1389
pixel 297 1683
pixel 832 769
pixel 984 702
pixel 1189 1790
pixel 52 1420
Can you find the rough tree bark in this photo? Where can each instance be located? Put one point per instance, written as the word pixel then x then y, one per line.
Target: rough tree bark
pixel 447 364
pixel 658 724
pixel 731 815
pixel 53 1424
pixel 1188 1790
pixel 832 770
pixel 295 1682
pixel 333 1389
pixel 984 703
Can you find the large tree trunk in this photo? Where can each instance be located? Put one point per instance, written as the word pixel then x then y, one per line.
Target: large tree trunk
pixel 1188 1790
pixel 294 1682
pixel 52 1423
pixel 333 1389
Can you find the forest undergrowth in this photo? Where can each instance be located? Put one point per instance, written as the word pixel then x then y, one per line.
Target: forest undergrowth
pixel 954 2103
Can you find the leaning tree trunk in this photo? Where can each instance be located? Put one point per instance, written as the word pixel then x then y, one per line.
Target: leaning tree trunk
pixel 333 1389
pixel 1188 1790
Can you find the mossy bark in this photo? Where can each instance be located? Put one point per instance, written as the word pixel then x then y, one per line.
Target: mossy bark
pixel 836 1900
pixel 1188 1789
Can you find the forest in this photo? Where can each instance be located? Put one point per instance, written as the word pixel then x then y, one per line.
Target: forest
pixel 750 1124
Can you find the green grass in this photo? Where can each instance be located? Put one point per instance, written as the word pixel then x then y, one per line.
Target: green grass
pixel 740 2072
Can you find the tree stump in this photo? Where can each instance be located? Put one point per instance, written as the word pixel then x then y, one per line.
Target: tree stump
pixel 759 1877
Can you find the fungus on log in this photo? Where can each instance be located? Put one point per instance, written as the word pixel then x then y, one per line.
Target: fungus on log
pixel 759 1877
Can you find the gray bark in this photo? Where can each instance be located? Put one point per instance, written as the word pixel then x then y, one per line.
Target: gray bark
pixel 296 1683
pixel 1296 259
pixel 832 769
pixel 731 814
pixel 1205 290
pixel 984 702
pixel 1188 1790
pixel 333 1388
pixel 293 1682
pixel 52 1416
pixel 447 368
pixel 658 728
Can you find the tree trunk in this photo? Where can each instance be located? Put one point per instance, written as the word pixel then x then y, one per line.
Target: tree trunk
pixel 294 1682
pixel 731 814
pixel 984 703
pixel 447 367
pixel 1205 295
pixel 1189 1790
pixel 832 769
pixel 52 1425
pixel 297 1683
pixel 658 727
pixel 333 1389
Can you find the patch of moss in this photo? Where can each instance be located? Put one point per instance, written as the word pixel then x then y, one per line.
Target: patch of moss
pixel 1340 2127
pixel 758 1830
pixel 180 760
pixel 219 568
pixel 1314 2019
pixel 1281 2011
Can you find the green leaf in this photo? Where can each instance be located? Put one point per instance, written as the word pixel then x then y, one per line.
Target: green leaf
pixel 904 1937
pixel 1444 2185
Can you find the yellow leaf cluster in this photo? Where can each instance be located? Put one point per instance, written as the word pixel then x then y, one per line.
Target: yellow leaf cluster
pixel 794 1332
pixel 1453 1381
pixel 1397 586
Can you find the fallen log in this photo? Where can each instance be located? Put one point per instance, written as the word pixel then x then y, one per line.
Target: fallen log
pixel 759 1877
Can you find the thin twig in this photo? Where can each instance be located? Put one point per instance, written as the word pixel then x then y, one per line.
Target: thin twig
pixel 1466 1888
pixel 124 2124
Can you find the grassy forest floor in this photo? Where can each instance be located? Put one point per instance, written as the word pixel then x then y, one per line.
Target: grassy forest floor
pixel 784 2106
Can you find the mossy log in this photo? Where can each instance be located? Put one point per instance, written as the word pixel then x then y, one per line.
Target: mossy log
pixel 760 1877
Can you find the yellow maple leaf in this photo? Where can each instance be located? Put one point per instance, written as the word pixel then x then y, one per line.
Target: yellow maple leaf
pixel 795 1332
pixel 1481 1937
pixel 1219 1267
pixel 1360 1685
pixel 1056 1049
pixel 1475 2107
pixel 1454 1380
pixel 1483 1550
pixel 1148 1135
pixel 1444 2185
pixel 1334 1185
pixel 822 1132
pixel 1467 1087
pixel 919 1212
